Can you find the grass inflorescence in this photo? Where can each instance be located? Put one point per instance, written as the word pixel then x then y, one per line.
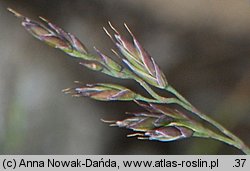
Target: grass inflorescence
pixel 159 120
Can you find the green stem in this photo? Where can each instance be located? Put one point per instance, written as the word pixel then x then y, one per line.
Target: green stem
pixel 149 100
pixel 170 89
pixel 226 140
pixel 147 88
pixel 237 142
pixel 234 140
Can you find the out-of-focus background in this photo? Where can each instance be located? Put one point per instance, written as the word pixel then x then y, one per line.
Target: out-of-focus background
pixel 202 46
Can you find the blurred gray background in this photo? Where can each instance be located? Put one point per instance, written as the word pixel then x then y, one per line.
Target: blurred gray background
pixel 202 46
